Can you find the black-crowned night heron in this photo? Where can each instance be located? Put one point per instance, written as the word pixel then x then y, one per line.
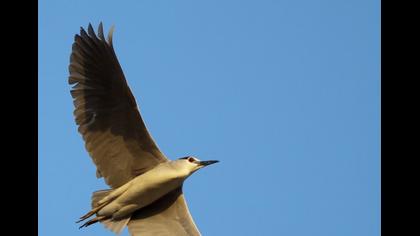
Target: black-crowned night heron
pixel 146 187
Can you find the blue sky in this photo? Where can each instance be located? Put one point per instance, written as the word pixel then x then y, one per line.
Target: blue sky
pixel 286 94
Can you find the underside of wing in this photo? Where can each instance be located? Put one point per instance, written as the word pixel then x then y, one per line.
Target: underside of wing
pixel 167 216
pixel 106 111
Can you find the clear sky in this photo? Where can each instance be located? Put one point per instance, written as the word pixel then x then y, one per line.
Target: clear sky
pixel 286 94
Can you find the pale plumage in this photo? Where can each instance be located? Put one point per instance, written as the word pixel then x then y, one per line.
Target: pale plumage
pixel 146 187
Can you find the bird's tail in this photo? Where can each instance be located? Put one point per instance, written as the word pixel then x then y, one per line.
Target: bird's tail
pixel 100 199
pixel 96 197
pixel 99 195
pixel 115 226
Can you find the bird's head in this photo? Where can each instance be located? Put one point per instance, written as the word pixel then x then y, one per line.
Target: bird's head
pixel 193 164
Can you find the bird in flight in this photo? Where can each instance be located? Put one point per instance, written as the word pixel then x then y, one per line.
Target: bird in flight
pixel 146 187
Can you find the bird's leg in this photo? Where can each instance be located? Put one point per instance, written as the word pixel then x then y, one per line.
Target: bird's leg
pixel 94 220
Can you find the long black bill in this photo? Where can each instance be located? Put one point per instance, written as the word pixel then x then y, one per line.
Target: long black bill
pixel 206 163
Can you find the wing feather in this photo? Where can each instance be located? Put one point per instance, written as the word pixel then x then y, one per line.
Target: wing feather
pixel 165 217
pixel 106 112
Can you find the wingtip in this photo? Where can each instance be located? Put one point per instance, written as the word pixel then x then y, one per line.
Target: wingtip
pixel 83 32
pixel 101 31
pixel 110 34
pixel 91 32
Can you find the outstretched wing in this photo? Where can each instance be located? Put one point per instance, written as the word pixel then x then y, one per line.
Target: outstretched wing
pixel 106 111
pixel 165 217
